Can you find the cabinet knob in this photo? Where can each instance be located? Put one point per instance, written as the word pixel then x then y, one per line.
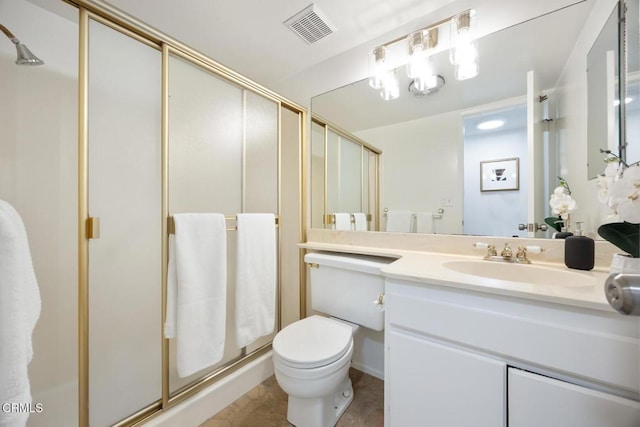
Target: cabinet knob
pixel 623 293
pixel 379 302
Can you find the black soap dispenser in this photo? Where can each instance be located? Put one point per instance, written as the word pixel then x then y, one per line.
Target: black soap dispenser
pixel 579 251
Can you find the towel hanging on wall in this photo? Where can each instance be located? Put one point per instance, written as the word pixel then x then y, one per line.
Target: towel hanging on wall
pixel 197 290
pixel 399 221
pixel 19 311
pixel 424 222
pixel 255 277
pixel 342 221
pixel 359 221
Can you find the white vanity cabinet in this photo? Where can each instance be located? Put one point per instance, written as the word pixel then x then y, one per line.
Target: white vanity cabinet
pixel 458 358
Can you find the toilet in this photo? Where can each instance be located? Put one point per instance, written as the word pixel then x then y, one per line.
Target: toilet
pixel 312 356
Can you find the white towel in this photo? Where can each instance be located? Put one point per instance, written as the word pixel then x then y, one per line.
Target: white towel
pixel 424 222
pixel 197 290
pixel 342 221
pixel 19 312
pixel 360 221
pixel 399 221
pixel 255 277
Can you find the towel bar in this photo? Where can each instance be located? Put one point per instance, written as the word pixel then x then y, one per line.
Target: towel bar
pixel 171 225
pixel 331 218
pixel 437 215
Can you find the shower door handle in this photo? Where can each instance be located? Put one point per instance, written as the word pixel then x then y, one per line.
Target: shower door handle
pixel 93 227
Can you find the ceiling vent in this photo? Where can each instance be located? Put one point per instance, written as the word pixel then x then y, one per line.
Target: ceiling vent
pixel 310 24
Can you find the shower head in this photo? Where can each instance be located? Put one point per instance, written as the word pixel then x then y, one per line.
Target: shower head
pixel 25 56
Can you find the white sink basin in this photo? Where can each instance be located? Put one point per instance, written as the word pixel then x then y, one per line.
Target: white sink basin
pixel 522 273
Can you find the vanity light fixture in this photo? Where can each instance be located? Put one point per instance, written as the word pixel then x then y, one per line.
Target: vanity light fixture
pixel 419 65
pixel 421 46
pixel 490 124
pixel 382 78
pixel 377 67
pixel 463 52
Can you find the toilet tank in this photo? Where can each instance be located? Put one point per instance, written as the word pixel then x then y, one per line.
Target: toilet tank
pixel 346 286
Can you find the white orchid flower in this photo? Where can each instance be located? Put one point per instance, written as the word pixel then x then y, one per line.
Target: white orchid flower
pixel 561 202
pixel 625 195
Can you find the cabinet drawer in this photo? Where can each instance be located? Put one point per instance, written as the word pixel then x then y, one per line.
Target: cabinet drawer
pixel 597 346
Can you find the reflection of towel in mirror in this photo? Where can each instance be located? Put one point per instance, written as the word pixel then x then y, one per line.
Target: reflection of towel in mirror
pixel 19 312
pixel 399 221
pixel 424 222
pixel 342 221
pixel 360 221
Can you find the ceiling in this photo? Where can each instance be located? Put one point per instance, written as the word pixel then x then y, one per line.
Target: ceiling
pixel 249 36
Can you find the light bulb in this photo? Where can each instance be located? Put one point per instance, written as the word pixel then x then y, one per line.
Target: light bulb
pixel 377 67
pixel 463 52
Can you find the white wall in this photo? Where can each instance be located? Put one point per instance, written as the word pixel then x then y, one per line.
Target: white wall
pixel 38 157
pixel 494 213
pixel 416 151
pixel 571 122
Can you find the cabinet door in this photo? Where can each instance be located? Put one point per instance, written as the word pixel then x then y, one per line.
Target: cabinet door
pixel 535 400
pixel 429 384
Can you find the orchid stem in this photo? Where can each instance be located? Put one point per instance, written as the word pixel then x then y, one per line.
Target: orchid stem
pixel 614 156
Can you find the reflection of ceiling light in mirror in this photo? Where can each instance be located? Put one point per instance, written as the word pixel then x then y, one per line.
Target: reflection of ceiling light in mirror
pixel 490 124
pixel 390 86
pixel 627 100
pixel 419 91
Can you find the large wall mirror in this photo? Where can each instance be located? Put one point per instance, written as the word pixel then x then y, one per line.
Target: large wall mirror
pixel 632 95
pixel 435 156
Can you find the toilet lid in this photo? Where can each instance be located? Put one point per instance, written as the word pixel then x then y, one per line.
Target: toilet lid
pixel 312 342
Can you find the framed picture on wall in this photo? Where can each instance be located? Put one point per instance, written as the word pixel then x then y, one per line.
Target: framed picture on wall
pixel 500 175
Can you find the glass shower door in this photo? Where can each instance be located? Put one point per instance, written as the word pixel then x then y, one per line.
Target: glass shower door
pixel 125 193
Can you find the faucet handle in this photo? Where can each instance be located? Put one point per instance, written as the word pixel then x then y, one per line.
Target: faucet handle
pixel 490 247
pixel 522 252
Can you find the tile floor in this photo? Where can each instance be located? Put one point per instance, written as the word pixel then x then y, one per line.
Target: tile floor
pixel 266 406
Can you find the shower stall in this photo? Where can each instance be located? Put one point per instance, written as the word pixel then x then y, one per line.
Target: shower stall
pixel 120 129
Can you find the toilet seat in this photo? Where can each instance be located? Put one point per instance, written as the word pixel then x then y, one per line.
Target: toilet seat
pixel 312 342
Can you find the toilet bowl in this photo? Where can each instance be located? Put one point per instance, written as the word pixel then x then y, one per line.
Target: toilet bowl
pixel 312 356
pixel 312 359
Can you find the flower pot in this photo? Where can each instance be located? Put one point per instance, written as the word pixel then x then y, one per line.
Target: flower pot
pixel 623 263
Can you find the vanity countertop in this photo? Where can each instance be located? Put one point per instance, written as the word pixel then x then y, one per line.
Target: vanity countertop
pixel 431 267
